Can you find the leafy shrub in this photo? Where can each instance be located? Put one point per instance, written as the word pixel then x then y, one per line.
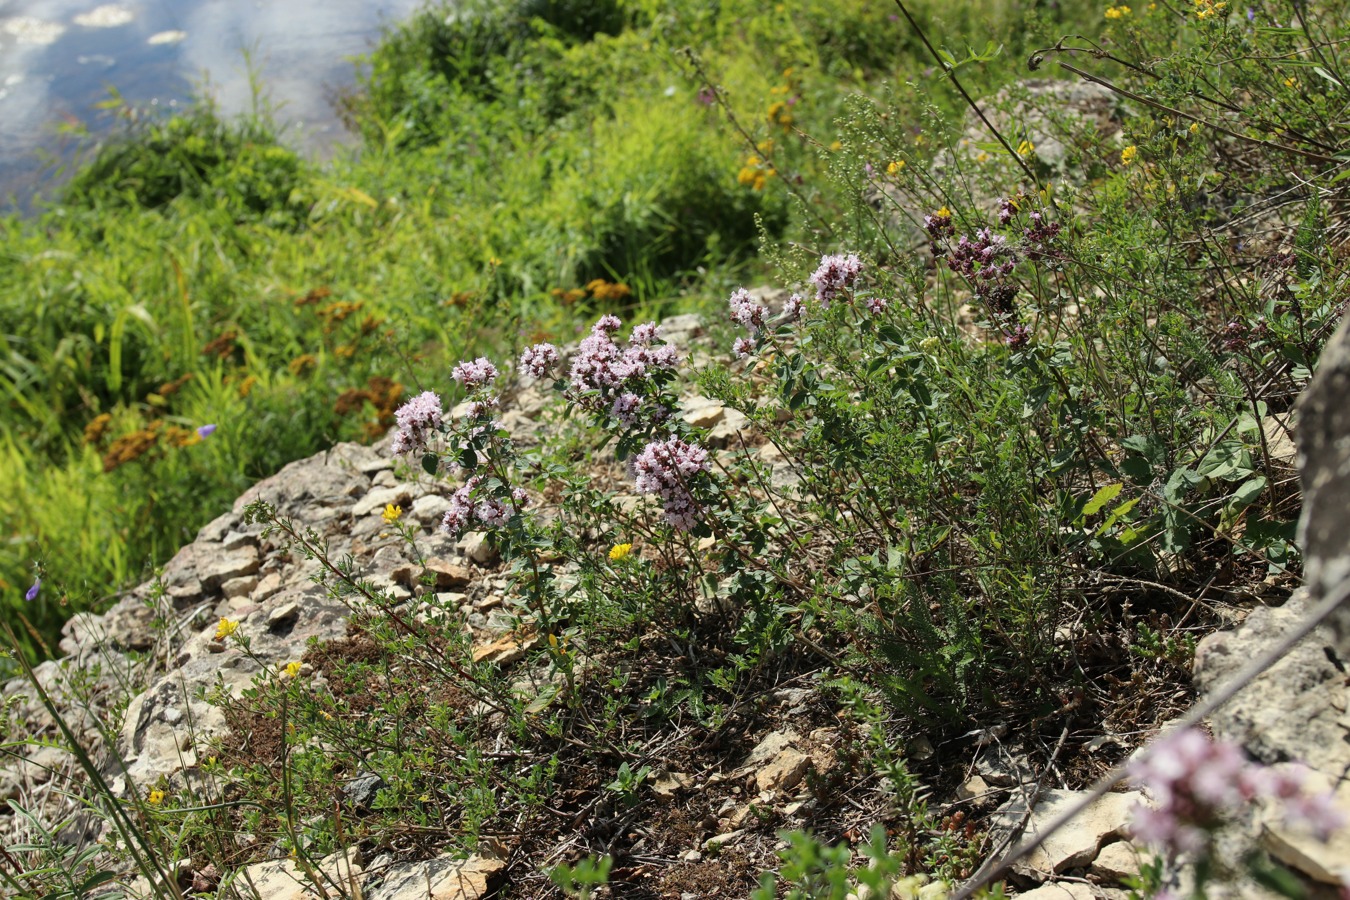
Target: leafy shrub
pixel 240 167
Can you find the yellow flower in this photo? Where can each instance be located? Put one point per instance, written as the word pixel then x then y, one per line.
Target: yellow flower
pixel 836 146
pixel 155 798
pixel 619 551
pixel 1291 82
pixel 494 261
pixel 1025 148
pixel 1117 12
pixel 391 513
pixel 944 213
pixel 895 167
pixel 291 669
pixel 226 628
pixel 1128 154
pixel 1195 127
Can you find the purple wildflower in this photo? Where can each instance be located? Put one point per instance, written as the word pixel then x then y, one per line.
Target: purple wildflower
pixel 836 273
pixel 205 431
pixel 607 324
pixel 418 420
pixel 877 305
pixel 625 409
pixel 32 593
pixel 745 311
pixel 666 469
pixel 594 365
pixel 478 373
pixel 469 507
pixel 743 347
pixel 645 334
pixel 792 309
pixel 1017 337
pixel 539 359
pixel 1195 782
pixel 707 96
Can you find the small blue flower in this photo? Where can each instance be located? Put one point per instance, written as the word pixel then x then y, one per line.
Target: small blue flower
pixel 33 591
pixel 206 431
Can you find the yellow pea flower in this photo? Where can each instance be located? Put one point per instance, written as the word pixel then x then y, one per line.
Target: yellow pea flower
pixel 155 798
pixel 619 551
pixel 1025 148
pixel 391 513
pixel 1128 154
pixel 226 628
pixel 895 167
pixel 292 669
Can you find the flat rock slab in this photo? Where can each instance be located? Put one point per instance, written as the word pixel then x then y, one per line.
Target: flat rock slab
pixel 443 878
pixel 1077 843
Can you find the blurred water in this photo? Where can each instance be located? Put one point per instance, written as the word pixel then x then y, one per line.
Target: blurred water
pixel 59 57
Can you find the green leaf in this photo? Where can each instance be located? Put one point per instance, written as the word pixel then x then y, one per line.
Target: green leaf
pixel 431 463
pixel 468 458
pixel 1327 75
pixel 1247 493
pixel 1102 497
pixel 1116 515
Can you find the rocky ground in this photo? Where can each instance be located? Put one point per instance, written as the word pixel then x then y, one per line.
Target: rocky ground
pixel 146 663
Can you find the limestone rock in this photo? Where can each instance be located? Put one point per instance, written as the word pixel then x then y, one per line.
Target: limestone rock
pixel 506 649
pixel 680 330
pixel 701 412
pixel 1324 452
pixel 477 547
pixel 448 574
pixel 285 879
pixel 784 772
pixel 1116 862
pixel 1060 890
pixel 665 787
pixel 777 762
pixel 1294 710
pixel 1077 843
pixel 975 790
pixel 442 878
pixel 400 495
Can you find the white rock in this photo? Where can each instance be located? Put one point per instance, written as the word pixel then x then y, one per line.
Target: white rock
pixel 443 878
pixel 378 499
pixel 476 546
pixel 1116 862
pixel 1060 890
pixel 701 412
pixel 1077 843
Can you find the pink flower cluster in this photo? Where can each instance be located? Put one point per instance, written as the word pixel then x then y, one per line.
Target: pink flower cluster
pixel 835 275
pixel 1039 236
pixel 470 505
pixel 1195 782
pixel 473 375
pixel 667 469
pixel 792 309
pixel 606 378
pixel 750 316
pixel 538 360
pixel 418 420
